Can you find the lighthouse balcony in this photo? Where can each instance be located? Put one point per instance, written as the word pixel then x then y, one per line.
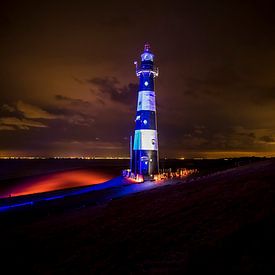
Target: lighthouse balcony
pixel 154 71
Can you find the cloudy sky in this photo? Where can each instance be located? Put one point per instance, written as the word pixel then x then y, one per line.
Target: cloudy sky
pixel 68 84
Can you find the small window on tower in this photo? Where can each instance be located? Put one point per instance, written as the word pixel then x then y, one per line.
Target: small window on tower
pixel 146 83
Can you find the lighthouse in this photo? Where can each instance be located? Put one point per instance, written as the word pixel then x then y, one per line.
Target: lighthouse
pixel 144 144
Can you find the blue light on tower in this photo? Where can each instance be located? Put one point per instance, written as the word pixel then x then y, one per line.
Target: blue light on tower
pixel 144 159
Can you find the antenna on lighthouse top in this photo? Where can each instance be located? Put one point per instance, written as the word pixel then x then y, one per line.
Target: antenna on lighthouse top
pixel 136 64
pixel 147 47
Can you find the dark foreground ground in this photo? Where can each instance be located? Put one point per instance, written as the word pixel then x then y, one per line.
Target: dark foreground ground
pixel 222 223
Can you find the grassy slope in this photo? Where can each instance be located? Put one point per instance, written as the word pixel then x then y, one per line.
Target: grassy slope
pixel 221 223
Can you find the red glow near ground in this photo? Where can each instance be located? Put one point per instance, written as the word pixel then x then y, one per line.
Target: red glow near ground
pixel 57 181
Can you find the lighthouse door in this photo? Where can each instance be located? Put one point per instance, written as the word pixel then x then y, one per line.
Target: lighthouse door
pixel 144 165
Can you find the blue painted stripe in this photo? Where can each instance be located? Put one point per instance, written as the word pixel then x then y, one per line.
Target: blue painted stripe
pixel 146 82
pixel 146 120
pixel 146 64
pixel 140 157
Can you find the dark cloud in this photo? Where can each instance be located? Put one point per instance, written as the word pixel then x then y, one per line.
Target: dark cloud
pixel 7 128
pixel 12 123
pixel 69 115
pixel 262 95
pixel 32 111
pixel 117 93
pixel 28 116
pixel 26 110
pixel 77 80
pixel 24 116
pixel 73 101
pixel 248 135
pixel 267 139
pixel 8 108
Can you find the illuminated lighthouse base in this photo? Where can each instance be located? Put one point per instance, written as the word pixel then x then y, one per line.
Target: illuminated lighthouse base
pixel 145 153
pixel 144 145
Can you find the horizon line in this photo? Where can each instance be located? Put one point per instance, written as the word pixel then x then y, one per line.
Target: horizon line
pixel 128 158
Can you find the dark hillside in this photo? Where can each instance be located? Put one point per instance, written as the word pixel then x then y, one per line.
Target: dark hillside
pixel 222 223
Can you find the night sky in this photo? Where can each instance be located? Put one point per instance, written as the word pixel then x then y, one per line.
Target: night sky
pixel 68 85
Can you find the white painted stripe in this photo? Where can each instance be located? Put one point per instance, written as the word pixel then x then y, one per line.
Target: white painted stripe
pixel 146 139
pixel 146 101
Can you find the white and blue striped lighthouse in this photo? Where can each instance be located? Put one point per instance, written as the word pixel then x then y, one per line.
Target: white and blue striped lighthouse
pixel 144 152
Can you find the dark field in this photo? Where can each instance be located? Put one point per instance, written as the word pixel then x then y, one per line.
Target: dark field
pixel 219 223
